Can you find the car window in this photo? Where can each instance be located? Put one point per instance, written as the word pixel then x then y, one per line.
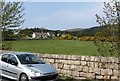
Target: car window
pixel 29 59
pixel 5 57
pixel 12 59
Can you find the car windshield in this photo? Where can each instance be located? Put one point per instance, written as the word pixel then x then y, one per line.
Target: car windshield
pixel 29 59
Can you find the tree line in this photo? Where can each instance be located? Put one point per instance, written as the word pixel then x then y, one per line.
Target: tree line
pixel 12 34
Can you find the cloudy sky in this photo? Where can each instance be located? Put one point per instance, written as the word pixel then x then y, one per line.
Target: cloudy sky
pixel 61 15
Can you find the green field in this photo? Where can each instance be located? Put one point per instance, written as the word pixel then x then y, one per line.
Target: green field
pixel 73 47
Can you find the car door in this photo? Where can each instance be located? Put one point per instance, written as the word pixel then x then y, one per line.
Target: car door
pixel 12 68
pixel 4 64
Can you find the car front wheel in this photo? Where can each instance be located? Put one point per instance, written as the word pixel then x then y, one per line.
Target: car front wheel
pixel 23 77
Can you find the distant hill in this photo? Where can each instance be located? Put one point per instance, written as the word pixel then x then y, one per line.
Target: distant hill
pixel 74 29
pixel 84 32
pixel 90 31
pixel 75 32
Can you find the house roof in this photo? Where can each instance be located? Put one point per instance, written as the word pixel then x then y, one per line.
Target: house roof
pixel 41 34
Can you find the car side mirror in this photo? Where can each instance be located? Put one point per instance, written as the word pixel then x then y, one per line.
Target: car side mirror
pixel 15 63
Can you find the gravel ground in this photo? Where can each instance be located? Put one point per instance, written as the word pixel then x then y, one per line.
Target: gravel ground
pixel 6 79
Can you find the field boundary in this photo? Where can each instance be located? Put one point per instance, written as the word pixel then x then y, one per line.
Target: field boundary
pixel 84 67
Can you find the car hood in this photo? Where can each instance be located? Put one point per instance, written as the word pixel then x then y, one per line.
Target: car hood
pixel 42 68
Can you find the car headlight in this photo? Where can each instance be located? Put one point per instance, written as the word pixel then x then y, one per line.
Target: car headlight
pixel 36 73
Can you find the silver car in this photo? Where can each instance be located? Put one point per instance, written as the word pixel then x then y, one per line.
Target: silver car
pixel 22 66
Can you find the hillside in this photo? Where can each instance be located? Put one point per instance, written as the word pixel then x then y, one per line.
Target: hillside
pixel 74 29
pixel 84 32
pixel 90 31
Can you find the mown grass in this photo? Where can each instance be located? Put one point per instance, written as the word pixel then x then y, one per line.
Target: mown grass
pixel 73 47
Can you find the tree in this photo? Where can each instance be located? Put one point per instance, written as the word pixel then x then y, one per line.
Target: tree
pixel 109 30
pixel 8 34
pixel 11 15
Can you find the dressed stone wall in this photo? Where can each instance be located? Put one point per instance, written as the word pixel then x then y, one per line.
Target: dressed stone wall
pixel 84 67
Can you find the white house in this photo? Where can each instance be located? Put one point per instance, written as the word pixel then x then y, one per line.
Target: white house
pixel 40 35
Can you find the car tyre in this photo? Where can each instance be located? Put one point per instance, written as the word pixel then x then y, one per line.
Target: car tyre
pixel 23 77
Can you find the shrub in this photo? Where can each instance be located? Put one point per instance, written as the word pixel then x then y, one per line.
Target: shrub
pixel 87 38
pixel 92 38
pixel 6 46
pixel 66 37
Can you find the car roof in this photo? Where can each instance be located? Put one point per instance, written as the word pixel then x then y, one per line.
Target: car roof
pixel 17 53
